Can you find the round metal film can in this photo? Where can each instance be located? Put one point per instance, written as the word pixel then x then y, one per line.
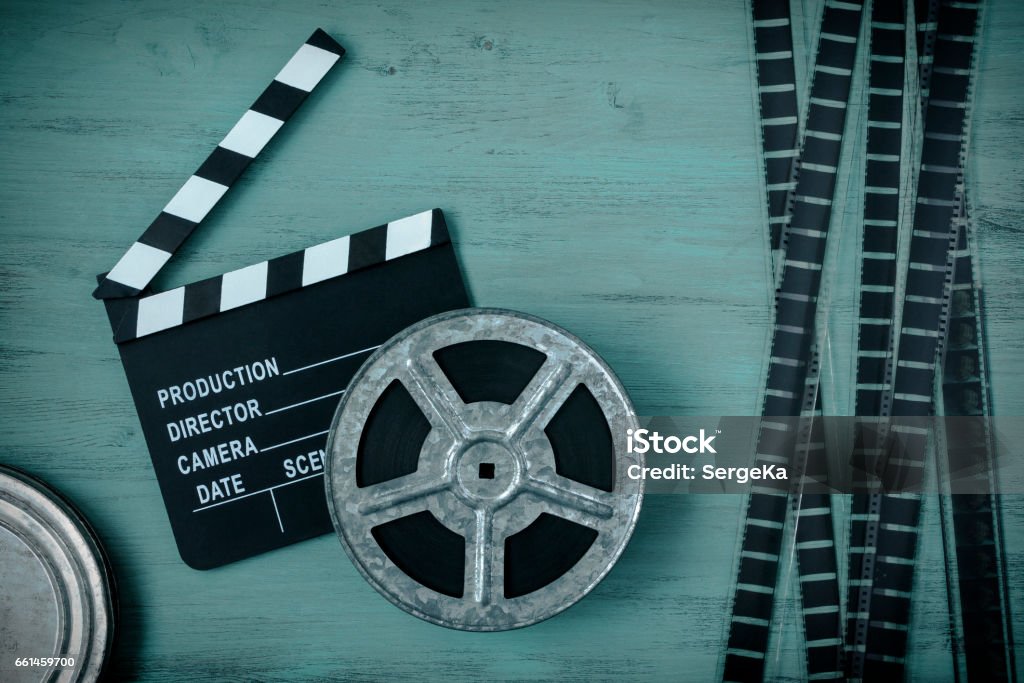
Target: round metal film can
pixel 56 588
pixel 477 470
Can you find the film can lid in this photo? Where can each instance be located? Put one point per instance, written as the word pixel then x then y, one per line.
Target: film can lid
pixel 56 588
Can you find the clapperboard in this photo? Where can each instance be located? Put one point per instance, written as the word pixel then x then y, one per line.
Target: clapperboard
pixel 236 378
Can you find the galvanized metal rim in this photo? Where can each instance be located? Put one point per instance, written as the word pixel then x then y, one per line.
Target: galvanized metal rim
pixel 67 549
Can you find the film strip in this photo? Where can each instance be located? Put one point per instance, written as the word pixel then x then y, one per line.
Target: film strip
pixel 778 108
pixel 201 192
pixel 881 618
pixel 817 563
pixel 779 117
pixel 790 367
pixel 877 296
pixel 980 566
pixel 980 569
pixel 977 526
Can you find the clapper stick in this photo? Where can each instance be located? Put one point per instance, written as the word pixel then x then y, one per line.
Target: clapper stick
pixel 222 168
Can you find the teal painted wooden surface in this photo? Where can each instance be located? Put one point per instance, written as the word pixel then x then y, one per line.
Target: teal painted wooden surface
pixel 598 165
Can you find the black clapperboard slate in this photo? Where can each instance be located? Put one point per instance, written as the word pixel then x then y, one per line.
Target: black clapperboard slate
pixel 236 378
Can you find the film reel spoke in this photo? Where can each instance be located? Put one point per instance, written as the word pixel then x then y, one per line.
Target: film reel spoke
pixel 541 398
pixel 398 499
pixel 436 397
pixel 480 557
pixel 563 495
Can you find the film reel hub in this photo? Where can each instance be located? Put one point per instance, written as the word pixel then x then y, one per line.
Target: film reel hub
pixel 476 470
pixel 488 473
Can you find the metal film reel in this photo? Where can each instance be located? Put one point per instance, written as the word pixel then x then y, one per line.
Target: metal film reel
pixel 56 587
pixel 476 470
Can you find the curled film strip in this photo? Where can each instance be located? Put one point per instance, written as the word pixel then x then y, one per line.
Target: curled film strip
pixel 477 467
pixel 793 332
pixel 984 622
pixel 985 626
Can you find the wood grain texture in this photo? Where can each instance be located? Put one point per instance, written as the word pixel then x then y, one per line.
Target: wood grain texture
pixel 598 165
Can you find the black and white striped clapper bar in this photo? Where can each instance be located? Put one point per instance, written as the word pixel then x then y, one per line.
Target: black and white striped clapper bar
pixel 235 378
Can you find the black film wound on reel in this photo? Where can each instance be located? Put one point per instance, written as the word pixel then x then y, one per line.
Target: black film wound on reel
pixel 489 460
